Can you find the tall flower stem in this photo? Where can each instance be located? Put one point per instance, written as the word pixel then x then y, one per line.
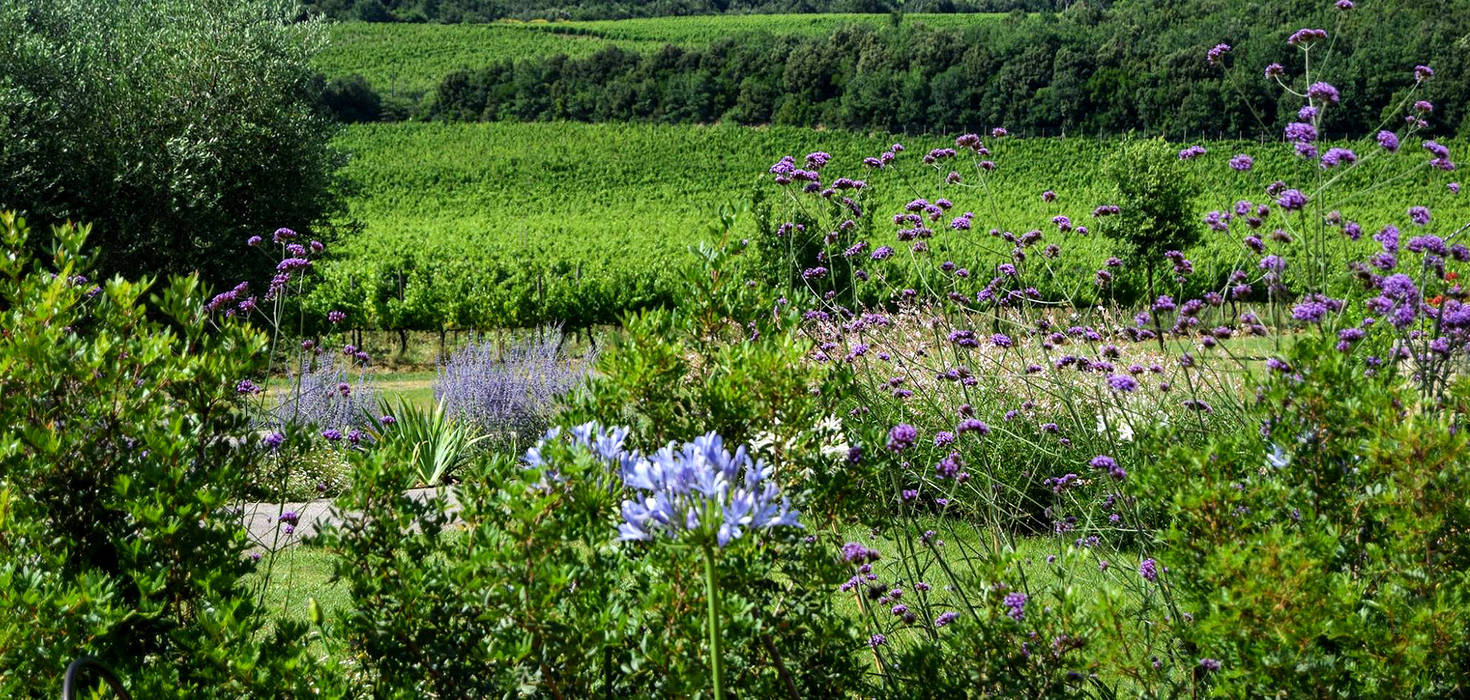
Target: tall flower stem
pixel 712 594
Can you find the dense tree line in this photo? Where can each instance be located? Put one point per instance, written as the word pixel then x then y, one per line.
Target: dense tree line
pixel 1135 66
pixel 454 11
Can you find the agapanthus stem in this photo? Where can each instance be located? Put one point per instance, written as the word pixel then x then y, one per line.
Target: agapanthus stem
pixel 712 594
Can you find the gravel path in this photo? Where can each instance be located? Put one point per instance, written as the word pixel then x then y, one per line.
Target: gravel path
pixel 262 518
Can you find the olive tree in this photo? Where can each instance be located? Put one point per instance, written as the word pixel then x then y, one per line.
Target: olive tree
pixel 178 127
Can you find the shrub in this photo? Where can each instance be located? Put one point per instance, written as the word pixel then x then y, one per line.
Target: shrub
pixel 156 130
pixel 351 99
pixel 1325 552
pixel 508 395
pixel 722 362
pixel 532 590
pixel 1155 193
pixel 123 439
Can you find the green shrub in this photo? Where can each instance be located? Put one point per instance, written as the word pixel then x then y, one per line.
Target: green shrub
pixel 1325 553
pixel 722 362
pixel 1155 193
pixel 530 590
pixel 123 440
pixel 177 127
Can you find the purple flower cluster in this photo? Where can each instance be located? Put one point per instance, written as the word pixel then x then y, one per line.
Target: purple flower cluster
pixel 316 397
pixel 1216 54
pixel 902 437
pixel 510 389
pixel 1016 605
pixel 1306 37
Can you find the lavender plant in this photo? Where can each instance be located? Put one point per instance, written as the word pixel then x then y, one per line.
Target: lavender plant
pixel 508 394
pixel 329 396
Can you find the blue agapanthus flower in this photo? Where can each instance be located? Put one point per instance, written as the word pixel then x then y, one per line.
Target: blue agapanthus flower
pixel 701 488
pixel 605 445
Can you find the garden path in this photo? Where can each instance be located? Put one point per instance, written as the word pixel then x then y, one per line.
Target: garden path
pixel 263 519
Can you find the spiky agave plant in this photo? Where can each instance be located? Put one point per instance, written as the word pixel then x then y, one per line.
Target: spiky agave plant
pixel 434 440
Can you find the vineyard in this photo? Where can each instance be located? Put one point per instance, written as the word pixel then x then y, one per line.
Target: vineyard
pixel 492 225
pixel 410 59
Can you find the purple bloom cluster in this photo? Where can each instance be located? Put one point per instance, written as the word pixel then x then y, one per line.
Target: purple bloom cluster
pixel 1336 156
pixel 1016 604
pixel 317 397
pixel 511 388
pixel 902 437
pixel 1216 54
pixel 1306 37
pixel 1323 91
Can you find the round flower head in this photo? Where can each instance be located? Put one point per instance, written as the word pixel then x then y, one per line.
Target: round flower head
pixel 1300 132
pixel 1275 70
pixel 1292 200
pixel 1323 91
pixel 1388 140
pixel 1419 215
pixel 699 488
pixel 1306 37
pixel 902 437
pixel 1336 156
pixel 1216 54
pixel 253 241
pixel 1241 162
pixel 1423 73
pixel 1344 5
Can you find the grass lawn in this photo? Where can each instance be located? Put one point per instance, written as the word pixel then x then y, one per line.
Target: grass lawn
pixel 414 387
pixel 301 573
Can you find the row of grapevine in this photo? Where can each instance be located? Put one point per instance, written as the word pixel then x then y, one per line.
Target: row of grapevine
pixel 487 225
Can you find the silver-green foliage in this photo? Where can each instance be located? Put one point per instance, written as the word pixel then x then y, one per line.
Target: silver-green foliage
pixel 178 127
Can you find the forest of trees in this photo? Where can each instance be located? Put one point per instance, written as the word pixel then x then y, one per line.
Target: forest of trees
pixel 455 11
pixel 1136 66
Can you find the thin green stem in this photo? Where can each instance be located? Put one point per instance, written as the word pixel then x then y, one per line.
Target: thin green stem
pixel 712 594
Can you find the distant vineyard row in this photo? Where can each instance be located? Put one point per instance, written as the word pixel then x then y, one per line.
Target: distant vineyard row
pixel 492 225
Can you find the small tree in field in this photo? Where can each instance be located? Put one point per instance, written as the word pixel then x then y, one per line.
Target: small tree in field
pixel 1155 195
